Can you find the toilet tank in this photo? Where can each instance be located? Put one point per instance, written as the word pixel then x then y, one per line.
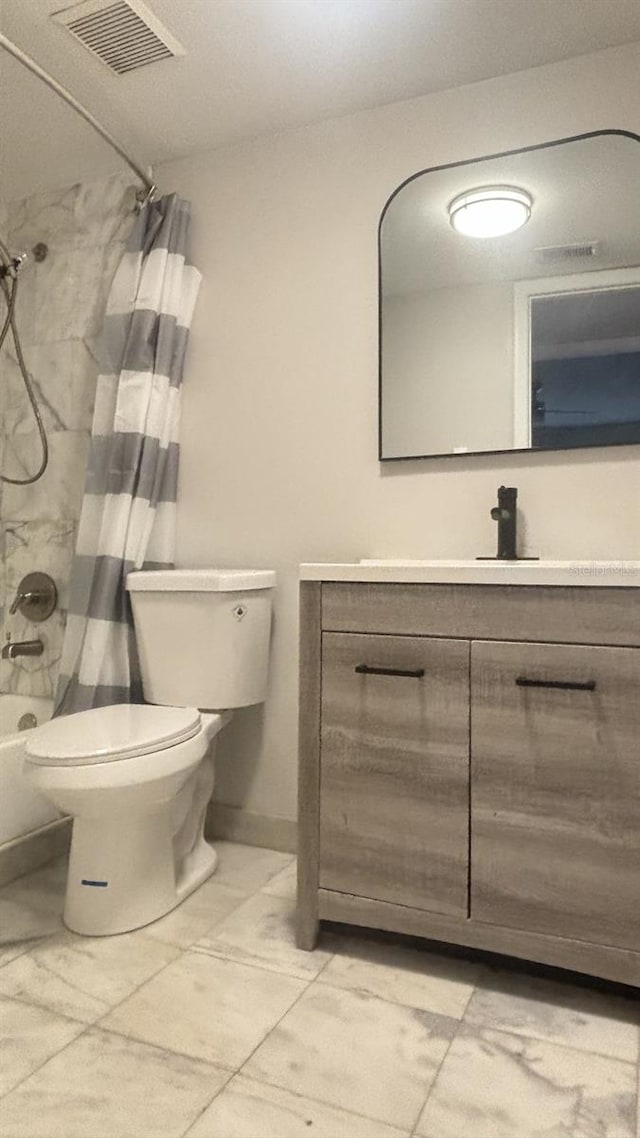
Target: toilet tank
pixel 203 635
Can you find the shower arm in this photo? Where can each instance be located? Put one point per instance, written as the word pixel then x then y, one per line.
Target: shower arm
pixel 145 195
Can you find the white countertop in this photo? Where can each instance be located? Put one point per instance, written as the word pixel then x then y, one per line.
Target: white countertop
pixel 601 574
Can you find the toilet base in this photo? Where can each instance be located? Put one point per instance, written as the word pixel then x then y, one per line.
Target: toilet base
pixel 129 870
pixel 122 875
pixel 137 845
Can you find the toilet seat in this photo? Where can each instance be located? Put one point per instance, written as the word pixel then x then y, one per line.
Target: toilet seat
pixel 109 734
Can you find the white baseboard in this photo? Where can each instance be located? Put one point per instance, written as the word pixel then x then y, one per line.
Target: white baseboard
pixel 30 851
pixel 237 825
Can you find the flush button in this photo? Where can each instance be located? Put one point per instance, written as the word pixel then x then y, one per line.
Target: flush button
pixel 239 611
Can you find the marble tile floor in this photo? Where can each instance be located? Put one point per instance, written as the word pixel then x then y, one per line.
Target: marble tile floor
pixel 211 1024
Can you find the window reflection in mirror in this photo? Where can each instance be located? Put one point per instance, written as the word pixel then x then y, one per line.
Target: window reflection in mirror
pixel 525 339
pixel 585 368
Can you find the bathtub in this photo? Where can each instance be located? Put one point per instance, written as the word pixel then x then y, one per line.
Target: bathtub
pixel 22 810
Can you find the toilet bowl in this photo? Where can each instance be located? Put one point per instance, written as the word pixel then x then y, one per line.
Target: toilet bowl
pixel 137 779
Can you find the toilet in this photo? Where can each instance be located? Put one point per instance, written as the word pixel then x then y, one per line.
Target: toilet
pixel 137 778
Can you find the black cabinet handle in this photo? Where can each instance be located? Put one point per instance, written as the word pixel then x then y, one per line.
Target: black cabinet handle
pixel 563 685
pixel 366 670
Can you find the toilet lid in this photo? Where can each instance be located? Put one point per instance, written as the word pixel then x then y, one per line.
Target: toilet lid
pixel 108 733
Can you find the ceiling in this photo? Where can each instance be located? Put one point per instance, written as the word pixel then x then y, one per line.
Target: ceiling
pixel 255 67
pixel 583 191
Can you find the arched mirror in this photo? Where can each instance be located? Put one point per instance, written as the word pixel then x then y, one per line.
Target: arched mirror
pixel 510 302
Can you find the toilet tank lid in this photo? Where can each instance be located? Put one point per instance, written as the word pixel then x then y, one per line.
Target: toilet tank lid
pixel 199 580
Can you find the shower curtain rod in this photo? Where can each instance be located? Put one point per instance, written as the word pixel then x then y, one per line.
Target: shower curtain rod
pixel 35 68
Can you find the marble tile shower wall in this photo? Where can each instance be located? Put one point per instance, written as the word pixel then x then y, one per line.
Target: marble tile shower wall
pixel 61 302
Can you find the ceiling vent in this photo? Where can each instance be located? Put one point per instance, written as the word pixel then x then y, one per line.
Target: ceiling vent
pixel 563 254
pixel 124 34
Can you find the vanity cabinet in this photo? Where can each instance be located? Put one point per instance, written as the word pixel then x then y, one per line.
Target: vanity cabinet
pixel 470 768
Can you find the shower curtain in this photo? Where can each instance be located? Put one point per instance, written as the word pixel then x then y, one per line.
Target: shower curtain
pixel 129 507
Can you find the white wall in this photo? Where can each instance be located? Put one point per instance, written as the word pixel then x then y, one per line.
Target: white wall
pixel 448 360
pixel 280 403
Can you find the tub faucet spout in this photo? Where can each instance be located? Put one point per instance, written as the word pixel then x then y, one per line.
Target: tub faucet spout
pixel 14 648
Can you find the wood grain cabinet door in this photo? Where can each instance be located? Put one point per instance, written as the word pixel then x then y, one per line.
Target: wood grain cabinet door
pixel 555 790
pixel 394 781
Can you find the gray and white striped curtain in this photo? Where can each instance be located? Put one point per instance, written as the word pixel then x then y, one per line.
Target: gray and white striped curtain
pixel 129 507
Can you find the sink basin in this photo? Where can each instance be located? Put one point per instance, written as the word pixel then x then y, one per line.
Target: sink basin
pixel 603 574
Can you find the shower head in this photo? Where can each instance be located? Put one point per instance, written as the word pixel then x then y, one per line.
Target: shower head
pixel 9 265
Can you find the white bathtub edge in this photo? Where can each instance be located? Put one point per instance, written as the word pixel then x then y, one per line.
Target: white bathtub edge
pixel 36 848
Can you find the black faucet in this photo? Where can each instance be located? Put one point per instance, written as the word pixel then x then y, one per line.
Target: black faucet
pixel 505 515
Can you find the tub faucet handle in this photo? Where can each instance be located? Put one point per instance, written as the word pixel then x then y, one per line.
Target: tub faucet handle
pixel 23 595
pixel 36 597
